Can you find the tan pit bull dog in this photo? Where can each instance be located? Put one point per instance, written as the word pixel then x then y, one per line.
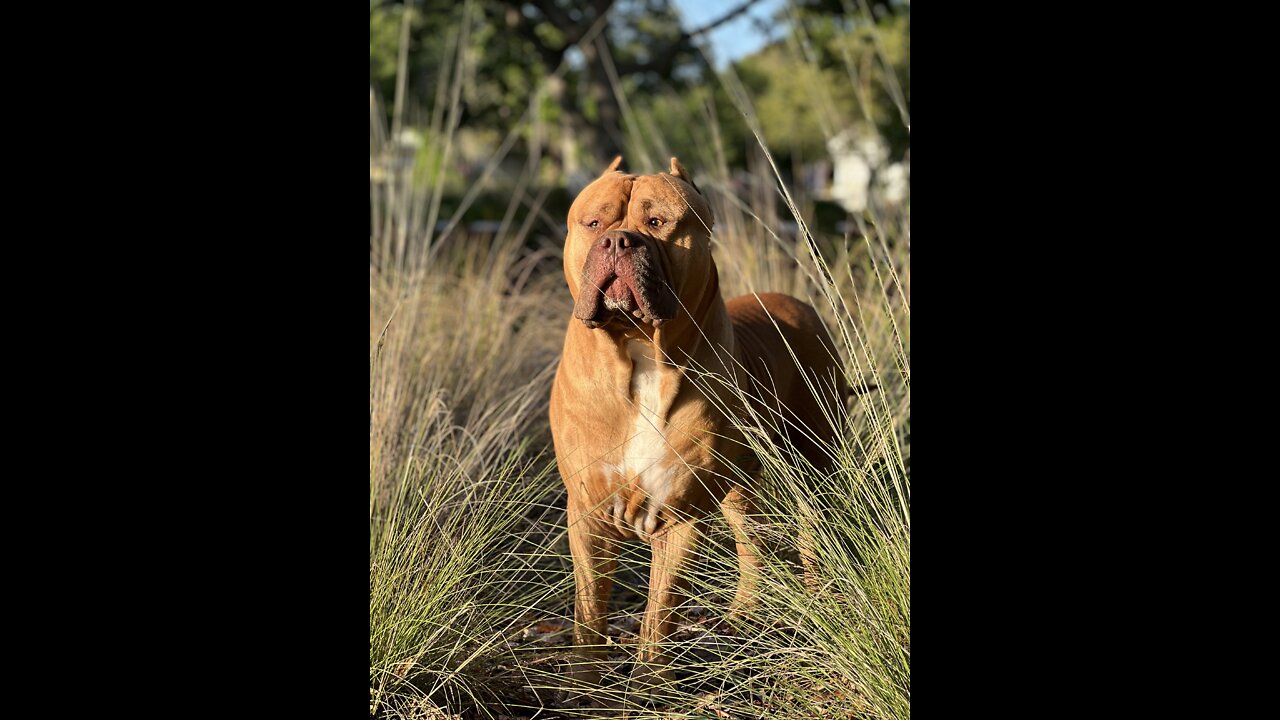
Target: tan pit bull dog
pixel 643 451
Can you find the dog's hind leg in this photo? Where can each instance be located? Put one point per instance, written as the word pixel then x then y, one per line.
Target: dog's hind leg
pixel 807 543
pixel 737 508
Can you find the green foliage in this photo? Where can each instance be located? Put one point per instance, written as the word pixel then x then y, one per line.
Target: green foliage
pixel 785 88
pixel 869 50
pixel 835 64
pixel 512 47
pixel 384 37
pixel 427 47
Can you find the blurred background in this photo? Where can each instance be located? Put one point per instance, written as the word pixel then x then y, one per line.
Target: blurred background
pixel 504 109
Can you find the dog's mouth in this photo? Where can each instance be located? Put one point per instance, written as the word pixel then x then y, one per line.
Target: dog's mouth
pixel 623 282
pixel 619 296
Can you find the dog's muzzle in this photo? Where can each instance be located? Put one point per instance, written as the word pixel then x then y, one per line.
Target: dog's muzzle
pixel 623 275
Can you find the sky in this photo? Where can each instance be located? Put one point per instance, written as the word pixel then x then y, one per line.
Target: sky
pixel 735 39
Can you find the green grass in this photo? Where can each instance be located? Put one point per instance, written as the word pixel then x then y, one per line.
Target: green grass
pixel 470 576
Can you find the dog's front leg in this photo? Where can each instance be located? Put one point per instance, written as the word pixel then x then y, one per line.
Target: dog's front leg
pixel 594 560
pixel 672 549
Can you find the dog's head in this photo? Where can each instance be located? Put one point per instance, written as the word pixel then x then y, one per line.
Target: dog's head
pixel 638 245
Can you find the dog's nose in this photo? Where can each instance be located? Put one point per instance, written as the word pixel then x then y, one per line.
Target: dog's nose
pixel 619 240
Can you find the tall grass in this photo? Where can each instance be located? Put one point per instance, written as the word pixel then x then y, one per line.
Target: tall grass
pixel 460 490
pixel 469 568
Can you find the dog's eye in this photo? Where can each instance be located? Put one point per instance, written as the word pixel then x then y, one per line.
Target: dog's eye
pixel 655 222
pixel 593 224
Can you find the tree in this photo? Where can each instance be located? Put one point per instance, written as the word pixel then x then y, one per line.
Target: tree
pixel 869 44
pixel 516 46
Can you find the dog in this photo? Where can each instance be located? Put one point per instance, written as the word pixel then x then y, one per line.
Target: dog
pixel 644 452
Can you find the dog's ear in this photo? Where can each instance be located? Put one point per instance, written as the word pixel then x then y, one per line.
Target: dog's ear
pixel 613 165
pixel 679 171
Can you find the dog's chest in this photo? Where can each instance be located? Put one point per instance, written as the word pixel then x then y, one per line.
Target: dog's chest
pixel 646 461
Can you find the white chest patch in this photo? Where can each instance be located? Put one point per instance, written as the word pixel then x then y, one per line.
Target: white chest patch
pixel 646 458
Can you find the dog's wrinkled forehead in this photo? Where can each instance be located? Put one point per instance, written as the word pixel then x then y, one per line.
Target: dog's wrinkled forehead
pixel 610 198
pixel 667 191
